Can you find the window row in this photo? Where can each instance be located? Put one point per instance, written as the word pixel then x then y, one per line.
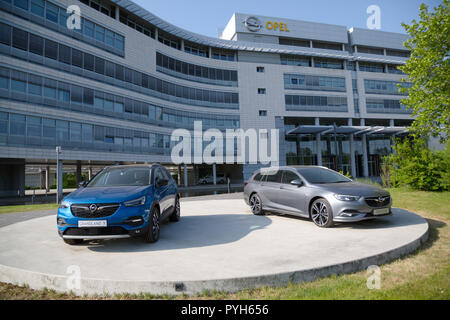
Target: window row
pixel 385 87
pixel 315 101
pixel 74 132
pixel 309 82
pixel 104 8
pixel 137 24
pixel 107 103
pixel 383 104
pixel 380 51
pixel 23 40
pixel 58 16
pixel 193 70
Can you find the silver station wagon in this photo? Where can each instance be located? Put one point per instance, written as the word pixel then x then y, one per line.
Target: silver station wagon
pixel 318 193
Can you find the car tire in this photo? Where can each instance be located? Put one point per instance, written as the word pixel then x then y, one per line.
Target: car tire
pixel 321 213
pixel 152 234
pixel 256 204
pixel 175 216
pixel 73 242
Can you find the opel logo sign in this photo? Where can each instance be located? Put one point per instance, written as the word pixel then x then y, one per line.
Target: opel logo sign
pixel 253 24
pixel 93 208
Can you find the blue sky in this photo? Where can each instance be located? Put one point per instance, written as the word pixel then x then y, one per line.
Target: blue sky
pixel 207 16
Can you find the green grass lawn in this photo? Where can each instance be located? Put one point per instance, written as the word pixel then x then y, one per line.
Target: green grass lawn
pixel 424 274
pixel 27 208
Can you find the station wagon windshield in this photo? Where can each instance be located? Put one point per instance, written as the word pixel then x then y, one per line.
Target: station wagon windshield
pixel 117 177
pixel 321 176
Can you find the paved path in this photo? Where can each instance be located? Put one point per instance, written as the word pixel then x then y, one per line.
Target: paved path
pixel 217 245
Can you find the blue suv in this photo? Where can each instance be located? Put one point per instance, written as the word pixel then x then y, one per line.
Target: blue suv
pixel 120 202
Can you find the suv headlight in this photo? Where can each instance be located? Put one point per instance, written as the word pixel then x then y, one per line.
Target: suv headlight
pixel 344 197
pixel 134 203
pixel 64 205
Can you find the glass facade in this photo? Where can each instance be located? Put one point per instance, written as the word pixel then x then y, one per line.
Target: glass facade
pixel 94 67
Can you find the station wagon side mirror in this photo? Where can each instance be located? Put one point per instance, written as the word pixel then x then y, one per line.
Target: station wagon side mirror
pixel 82 184
pixel 297 182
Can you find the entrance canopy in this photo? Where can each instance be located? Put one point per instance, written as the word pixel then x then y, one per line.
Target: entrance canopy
pixel 356 130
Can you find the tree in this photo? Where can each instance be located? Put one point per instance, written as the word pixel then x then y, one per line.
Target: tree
pixel 428 69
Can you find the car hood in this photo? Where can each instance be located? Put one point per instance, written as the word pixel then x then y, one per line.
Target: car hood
pixel 353 189
pixel 106 194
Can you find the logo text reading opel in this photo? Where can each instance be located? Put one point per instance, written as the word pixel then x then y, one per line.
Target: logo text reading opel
pixel 253 24
pixel 93 207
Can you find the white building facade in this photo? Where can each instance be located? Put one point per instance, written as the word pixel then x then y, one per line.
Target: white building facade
pixel 114 90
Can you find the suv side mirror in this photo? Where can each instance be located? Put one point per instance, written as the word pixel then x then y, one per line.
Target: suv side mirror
pixel 162 182
pixel 297 182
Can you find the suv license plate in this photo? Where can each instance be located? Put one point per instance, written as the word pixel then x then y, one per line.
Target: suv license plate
pixel 92 223
pixel 381 211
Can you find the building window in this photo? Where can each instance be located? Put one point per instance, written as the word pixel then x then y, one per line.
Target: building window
pixel 327 45
pixel 398 53
pixel 370 50
pixel 52 12
pixel 23 4
pixel 33 127
pixel 295 61
pixel 5 34
pixel 20 39
pixel 294 42
pixel 328 63
pixel 371 67
pixel 261 90
pixel 260 69
pixel 262 113
pixel 37 7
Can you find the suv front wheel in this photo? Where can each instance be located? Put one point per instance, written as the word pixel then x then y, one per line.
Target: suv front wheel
pixel 153 226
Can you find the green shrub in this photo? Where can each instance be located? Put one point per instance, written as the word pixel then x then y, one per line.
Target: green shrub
pixel 414 165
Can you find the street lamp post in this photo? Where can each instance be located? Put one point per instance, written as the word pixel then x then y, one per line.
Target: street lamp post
pixel 58 175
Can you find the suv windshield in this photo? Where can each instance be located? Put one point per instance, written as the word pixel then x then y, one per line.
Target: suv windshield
pixel 116 177
pixel 321 175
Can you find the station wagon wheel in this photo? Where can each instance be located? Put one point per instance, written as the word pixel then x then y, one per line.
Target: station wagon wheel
pixel 153 226
pixel 256 204
pixel 321 213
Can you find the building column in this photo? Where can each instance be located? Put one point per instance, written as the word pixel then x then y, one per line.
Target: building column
pixel 185 175
pixel 78 174
pixel 179 174
pixel 318 144
pixel 182 45
pixel 214 174
pixel 352 151
pixel 391 123
pixel 47 178
pixel 117 13
pixel 364 147
pixel 90 173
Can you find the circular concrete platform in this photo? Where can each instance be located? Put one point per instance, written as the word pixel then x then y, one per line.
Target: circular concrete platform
pixel 217 245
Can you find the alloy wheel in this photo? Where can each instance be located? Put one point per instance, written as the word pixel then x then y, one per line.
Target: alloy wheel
pixel 255 204
pixel 319 213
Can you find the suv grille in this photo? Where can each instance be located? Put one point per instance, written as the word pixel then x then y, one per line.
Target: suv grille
pixel 378 201
pixel 97 231
pixel 93 210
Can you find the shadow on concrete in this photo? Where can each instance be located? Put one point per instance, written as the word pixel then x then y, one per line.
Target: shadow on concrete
pixel 189 232
pixel 399 218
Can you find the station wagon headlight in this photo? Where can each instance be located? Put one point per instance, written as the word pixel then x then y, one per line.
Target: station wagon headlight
pixel 64 205
pixel 134 203
pixel 344 197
